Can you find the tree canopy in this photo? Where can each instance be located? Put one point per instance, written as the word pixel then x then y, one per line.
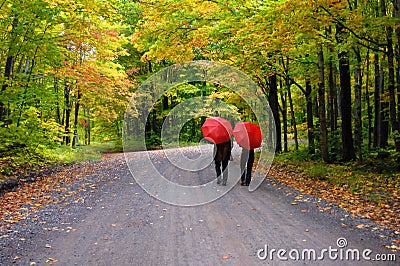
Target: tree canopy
pixel 330 69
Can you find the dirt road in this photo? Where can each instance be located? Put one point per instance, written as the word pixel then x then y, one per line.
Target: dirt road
pixel 113 221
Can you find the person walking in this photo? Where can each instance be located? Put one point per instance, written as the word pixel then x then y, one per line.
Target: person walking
pixel 246 166
pixel 249 137
pixel 222 155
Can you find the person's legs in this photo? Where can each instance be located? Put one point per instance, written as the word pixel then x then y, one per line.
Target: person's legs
pixel 218 171
pixel 243 161
pixel 250 163
pixel 225 172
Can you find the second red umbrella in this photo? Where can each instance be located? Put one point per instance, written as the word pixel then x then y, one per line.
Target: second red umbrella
pixel 247 135
pixel 217 130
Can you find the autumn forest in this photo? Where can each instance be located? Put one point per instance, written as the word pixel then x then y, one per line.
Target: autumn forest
pixel 330 70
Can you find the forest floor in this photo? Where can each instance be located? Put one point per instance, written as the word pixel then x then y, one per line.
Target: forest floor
pixel 95 213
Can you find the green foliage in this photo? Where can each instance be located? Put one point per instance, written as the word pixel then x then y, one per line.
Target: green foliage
pixel 33 144
pixel 89 54
pixel 297 155
pixel 318 171
pixel 69 155
pixel 30 143
pixel 370 179
pixel 153 142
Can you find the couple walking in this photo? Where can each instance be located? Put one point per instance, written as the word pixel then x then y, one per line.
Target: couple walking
pixel 222 157
pixel 219 131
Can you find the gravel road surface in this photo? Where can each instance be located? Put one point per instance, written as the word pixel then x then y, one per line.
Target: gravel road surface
pixel 113 221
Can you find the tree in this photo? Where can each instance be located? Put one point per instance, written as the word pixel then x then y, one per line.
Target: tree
pixel 322 113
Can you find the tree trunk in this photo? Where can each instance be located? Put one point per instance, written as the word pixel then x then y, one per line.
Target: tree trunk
pixel 58 111
pixel 345 98
pixel 322 115
pixel 293 117
pixel 377 104
pixel 332 99
pixel 384 130
pixel 4 112
pixel 87 126
pixel 284 118
pixel 75 140
pixel 310 118
pixel 357 105
pixel 396 14
pixel 8 70
pixel 274 104
pixel 67 102
pixel 391 81
pixel 369 107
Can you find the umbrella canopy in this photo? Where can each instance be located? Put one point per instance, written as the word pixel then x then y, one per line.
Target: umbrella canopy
pixel 217 130
pixel 247 135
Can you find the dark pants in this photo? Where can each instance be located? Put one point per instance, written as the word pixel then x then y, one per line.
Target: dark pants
pixel 246 165
pixel 224 170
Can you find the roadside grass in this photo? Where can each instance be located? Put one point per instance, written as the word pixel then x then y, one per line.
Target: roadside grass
pixel 22 163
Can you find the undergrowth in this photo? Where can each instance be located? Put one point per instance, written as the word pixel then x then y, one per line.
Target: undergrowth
pixel 376 179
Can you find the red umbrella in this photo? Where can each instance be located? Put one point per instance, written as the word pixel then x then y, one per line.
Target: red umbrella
pixel 217 130
pixel 248 135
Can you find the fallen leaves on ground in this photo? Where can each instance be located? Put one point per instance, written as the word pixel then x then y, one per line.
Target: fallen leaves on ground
pixel 227 256
pixel 385 214
pixel 28 198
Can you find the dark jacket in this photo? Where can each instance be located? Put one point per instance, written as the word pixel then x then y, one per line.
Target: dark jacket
pixel 223 151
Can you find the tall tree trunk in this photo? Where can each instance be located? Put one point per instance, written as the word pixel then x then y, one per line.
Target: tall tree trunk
pixel 345 99
pixel 87 125
pixel 310 118
pixel 322 115
pixel 384 130
pixel 75 140
pixel 333 93
pixel 391 81
pixel 332 99
pixel 333 104
pixel 274 104
pixel 58 111
pixel 292 115
pixel 67 108
pixel 284 120
pixel 8 70
pixel 357 104
pixel 396 14
pixel 4 112
pixel 369 107
pixel 377 104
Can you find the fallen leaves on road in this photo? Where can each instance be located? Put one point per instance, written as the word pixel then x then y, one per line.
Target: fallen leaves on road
pixel 227 256
pixel 29 198
pixel 51 260
pixel 385 214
